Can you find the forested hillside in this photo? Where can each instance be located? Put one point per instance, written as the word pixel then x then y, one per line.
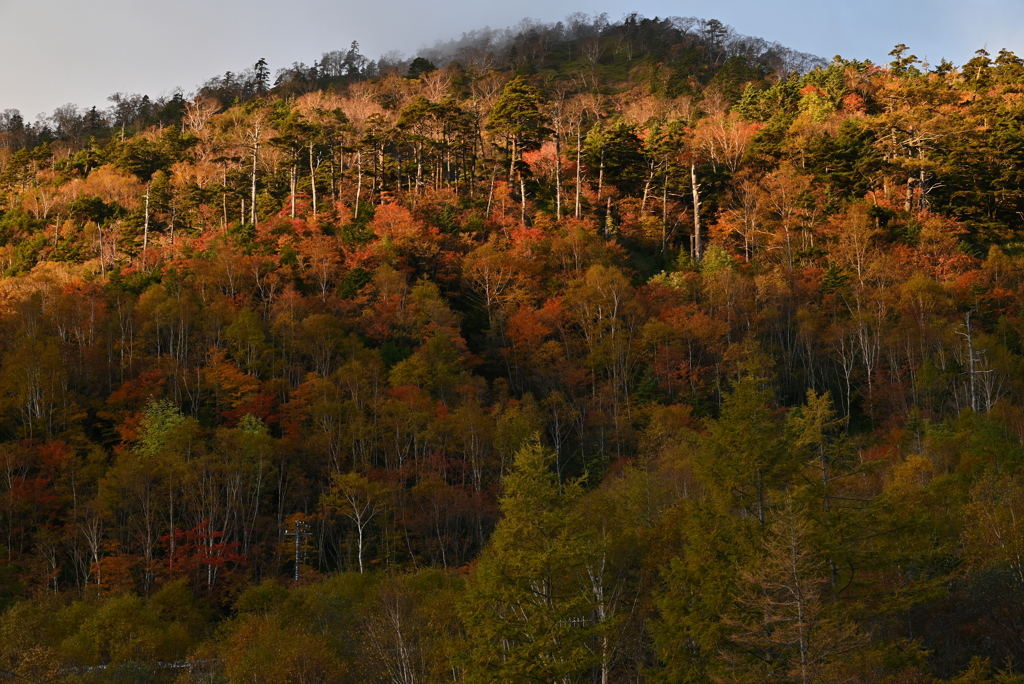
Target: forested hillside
pixel 588 352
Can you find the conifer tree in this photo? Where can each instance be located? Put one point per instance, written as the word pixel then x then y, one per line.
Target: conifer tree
pixel 527 612
pixel 517 117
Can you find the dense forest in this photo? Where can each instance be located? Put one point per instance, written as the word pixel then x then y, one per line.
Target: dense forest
pixel 635 351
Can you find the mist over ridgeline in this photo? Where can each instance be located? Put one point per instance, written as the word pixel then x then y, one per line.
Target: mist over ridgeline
pixel 531 44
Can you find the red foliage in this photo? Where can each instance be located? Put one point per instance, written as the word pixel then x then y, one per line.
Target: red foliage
pixel 199 556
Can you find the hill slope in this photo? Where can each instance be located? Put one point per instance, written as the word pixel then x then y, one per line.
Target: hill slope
pixel 634 351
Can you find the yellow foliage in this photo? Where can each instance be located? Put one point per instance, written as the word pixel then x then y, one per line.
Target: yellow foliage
pixel 914 473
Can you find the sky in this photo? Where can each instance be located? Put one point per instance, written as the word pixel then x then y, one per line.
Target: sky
pixel 56 52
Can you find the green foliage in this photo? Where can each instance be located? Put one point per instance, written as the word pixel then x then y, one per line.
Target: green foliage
pixel 420 66
pixel 142 157
pixel 527 605
pixel 716 259
pixel 26 255
pixel 763 105
pixel 159 424
pixel 16 224
pixel 517 117
pixel 616 150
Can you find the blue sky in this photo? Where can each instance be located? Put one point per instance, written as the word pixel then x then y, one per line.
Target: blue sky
pixel 60 51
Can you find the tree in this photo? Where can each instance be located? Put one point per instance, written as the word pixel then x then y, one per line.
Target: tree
pixel 249 131
pixel 264 651
pixel 493 272
pixel 785 627
pixel 419 67
pixel 721 139
pixel 994 548
pixel 261 76
pixel 744 456
pixel 518 119
pixel 616 152
pixel 528 609
pixel 359 500
pixel 408 631
pixel 294 135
